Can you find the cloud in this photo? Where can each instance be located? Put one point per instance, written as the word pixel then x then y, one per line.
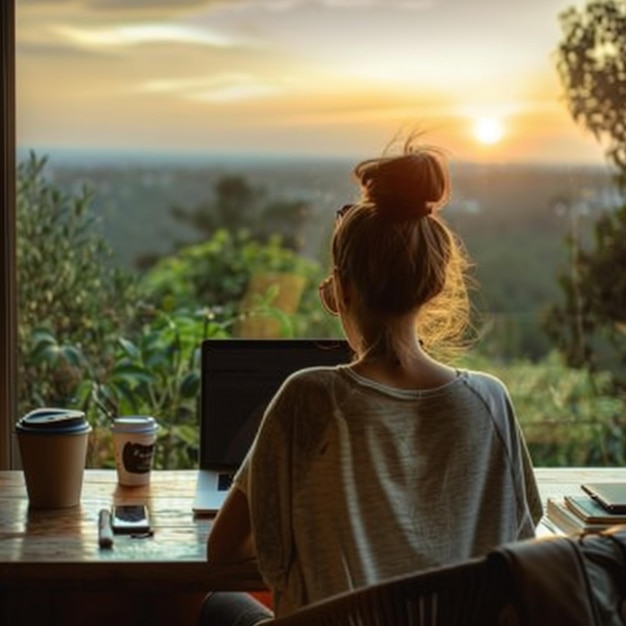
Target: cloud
pixel 142 5
pixel 136 34
pixel 173 6
pixel 225 87
pixel 110 11
pixel 178 6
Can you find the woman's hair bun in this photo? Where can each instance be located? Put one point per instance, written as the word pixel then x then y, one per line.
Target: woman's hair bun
pixel 405 187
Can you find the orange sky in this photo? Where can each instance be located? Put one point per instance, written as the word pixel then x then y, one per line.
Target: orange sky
pixel 337 77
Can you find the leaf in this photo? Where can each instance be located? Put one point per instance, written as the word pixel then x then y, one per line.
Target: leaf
pixel 190 385
pixel 132 373
pixel 72 355
pixel 129 348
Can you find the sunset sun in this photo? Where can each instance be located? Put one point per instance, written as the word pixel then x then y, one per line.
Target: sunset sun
pixel 488 130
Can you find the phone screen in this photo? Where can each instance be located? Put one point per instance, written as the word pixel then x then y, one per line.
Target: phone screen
pixel 130 518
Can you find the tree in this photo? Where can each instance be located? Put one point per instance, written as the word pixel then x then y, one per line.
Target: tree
pixel 592 66
pixel 67 288
pixel 590 324
pixel 234 208
pixel 237 206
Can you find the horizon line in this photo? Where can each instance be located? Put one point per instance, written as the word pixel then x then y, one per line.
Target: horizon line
pixel 100 156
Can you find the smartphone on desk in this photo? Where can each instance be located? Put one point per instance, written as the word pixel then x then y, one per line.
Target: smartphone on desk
pixel 130 518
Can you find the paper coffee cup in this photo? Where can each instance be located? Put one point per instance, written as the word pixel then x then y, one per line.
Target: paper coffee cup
pixel 134 438
pixel 53 447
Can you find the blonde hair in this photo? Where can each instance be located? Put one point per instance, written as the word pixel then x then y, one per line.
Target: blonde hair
pixel 398 253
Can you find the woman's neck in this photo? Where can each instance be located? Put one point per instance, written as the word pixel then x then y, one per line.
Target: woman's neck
pixel 413 369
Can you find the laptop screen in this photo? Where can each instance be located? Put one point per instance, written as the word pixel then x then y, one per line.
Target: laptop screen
pixel 238 379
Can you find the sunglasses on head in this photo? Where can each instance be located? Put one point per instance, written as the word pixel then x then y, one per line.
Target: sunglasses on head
pixel 342 211
pixel 326 288
pixel 327 295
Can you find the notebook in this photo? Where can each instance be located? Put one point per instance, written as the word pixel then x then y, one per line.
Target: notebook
pixel 238 379
pixel 591 511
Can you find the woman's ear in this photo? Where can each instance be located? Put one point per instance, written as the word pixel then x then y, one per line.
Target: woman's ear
pixel 342 291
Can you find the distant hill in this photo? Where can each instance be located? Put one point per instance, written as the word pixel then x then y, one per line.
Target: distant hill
pixel 513 219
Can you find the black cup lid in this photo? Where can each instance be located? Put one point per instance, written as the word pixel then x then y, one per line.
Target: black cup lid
pixel 53 420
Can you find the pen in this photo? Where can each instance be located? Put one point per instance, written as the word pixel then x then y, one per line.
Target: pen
pixel 105 532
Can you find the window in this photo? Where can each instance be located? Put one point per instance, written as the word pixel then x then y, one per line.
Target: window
pixel 188 117
pixel 7 266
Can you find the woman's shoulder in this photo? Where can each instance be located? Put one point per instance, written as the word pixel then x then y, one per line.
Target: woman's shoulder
pixel 483 382
pixel 313 380
pixel 314 377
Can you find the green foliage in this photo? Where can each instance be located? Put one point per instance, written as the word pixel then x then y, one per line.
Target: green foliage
pixel 215 274
pixel 65 284
pixel 157 373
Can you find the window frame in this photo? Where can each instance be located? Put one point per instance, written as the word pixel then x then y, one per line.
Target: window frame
pixel 8 304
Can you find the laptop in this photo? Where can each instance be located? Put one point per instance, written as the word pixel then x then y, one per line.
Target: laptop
pixel 238 379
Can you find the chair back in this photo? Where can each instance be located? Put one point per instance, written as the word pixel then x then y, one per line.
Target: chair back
pixel 470 593
pixel 564 581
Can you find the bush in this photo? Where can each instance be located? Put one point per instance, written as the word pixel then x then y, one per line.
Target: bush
pixel 215 274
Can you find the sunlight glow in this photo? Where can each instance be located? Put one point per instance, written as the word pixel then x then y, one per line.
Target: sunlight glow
pixel 488 130
pixel 336 77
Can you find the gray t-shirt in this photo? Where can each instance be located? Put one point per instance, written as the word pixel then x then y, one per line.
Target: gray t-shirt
pixel 350 481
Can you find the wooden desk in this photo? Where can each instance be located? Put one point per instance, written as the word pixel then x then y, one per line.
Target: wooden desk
pixel 52 570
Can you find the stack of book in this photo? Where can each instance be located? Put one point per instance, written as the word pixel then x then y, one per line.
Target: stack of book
pixel 590 510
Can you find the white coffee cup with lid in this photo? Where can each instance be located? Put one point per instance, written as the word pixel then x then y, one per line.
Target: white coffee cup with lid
pixel 134 440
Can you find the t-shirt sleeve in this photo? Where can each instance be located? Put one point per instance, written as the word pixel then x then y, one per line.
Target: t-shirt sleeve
pixel 497 397
pixel 530 482
pixel 523 466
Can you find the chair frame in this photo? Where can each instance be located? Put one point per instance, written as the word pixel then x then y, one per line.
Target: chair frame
pixel 463 594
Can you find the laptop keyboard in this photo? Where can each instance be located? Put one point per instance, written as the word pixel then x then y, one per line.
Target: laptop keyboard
pixel 225 480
